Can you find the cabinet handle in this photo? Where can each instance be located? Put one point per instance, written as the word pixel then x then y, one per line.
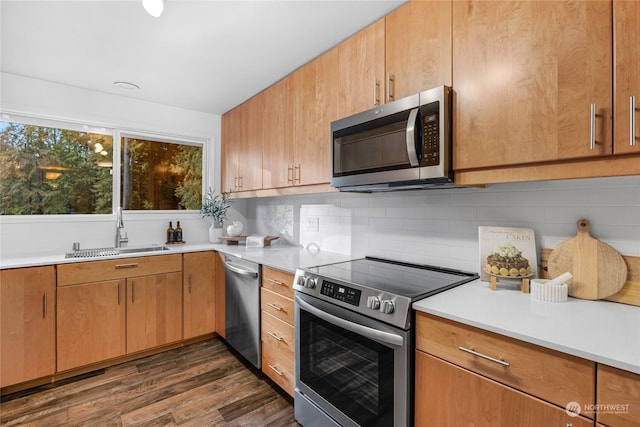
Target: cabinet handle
pixel 632 121
pixel 274 336
pixel 189 280
pixel 275 282
pixel 133 291
pixel 376 90
pixel 44 305
pixel 592 128
pixel 275 307
pixel 273 368
pixel 296 176
pixel 499 361
pixel 130 265
pixel 390 80
pixel 290 174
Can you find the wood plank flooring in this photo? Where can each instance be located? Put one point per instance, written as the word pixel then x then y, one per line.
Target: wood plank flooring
pixel 202 384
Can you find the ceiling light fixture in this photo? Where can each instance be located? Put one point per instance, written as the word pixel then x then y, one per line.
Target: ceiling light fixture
pixel 153 7
pixel 126 85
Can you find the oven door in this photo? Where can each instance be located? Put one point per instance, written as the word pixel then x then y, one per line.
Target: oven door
pixel 350 370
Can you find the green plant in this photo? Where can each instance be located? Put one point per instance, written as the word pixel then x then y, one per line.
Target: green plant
pixel 215 206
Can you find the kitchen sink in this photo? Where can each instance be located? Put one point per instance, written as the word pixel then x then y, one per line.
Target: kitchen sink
pixel 102 252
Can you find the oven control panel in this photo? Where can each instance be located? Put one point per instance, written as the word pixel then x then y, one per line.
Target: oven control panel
pixel 341 293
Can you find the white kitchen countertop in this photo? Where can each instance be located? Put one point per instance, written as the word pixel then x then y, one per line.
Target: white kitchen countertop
pixel 601 331
pixel 282 257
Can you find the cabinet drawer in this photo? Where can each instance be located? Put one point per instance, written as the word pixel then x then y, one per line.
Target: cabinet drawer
pixel 621 390
pixel 277 335
pixel 277 305
pixel 447 395
pixel 114 269
pixel 279 369
pixel 277 281
pixel 553 376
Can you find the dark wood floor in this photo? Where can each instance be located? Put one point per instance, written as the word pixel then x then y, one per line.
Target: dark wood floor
pixel 202 384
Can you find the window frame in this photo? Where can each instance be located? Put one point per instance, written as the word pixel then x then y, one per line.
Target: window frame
pixel 116 133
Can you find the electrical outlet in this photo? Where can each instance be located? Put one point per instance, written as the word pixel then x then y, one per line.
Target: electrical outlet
pixel 313 224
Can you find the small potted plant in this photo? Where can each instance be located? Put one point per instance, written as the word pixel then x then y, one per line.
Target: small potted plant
pixel 215 206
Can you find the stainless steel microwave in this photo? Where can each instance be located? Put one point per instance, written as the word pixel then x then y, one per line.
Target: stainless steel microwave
pixel 402 145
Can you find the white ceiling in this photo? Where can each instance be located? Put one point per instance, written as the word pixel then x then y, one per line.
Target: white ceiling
pixel 203 55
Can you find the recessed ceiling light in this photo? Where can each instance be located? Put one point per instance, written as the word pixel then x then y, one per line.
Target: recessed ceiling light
pixel 127 85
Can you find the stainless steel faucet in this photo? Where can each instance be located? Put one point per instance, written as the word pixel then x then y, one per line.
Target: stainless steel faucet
pixel 121 240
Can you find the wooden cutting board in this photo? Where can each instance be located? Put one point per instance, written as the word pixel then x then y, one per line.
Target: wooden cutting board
pixel 598 270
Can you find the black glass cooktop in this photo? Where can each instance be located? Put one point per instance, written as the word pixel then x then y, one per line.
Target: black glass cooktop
pixel 408 280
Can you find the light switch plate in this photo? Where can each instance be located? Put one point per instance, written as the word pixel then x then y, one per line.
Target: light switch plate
pixel 313 224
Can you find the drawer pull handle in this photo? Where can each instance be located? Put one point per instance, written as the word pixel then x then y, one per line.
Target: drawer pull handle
pixel 275 307
pixel 275 282
pixel 130 265
pixel 273 368
pixel 484 356
pixel 274 336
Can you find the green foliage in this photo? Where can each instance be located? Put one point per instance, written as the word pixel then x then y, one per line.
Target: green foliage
pixel 215 206
pixel 52 171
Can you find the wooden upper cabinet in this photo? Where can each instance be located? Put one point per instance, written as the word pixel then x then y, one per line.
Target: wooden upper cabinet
pixel 525 75
pixel 361 71
pixel 27 324
pixel 241 130
pixel 199 280
pixel 418 48
pixel 277 134
pixel 315 106
pixel 626 39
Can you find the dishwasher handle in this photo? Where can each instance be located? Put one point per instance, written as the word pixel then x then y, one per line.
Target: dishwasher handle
pixel 239 270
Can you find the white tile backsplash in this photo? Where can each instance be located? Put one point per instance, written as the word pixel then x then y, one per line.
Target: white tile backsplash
pixel 441 227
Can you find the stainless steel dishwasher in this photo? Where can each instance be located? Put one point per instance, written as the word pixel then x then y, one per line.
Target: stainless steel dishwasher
pixel 242 307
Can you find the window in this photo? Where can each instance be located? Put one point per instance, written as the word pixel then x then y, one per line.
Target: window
pixel 53 170
pixel 50 167
pixel 157 175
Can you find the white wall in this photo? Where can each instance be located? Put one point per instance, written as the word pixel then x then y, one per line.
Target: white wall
pixel 440 227
pixel 26 96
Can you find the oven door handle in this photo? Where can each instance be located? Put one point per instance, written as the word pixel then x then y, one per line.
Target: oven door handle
pixel 365 331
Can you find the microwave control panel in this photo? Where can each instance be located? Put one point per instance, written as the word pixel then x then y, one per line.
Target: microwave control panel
pixel 431 132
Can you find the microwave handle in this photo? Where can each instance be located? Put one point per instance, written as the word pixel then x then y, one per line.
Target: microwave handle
pixel 411 138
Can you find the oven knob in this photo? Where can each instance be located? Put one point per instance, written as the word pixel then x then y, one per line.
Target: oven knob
pixel 301 280
pixel 387 306
pixel 309 282
pixel 373 303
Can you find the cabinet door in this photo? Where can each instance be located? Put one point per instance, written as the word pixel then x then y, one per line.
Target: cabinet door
pixel 250 144
pixel 154 311
pixel 418 48
pixel 621 391
pixel 626 37
pixel 199 279
pixel 525 74
pixel 361 70
pixel 91 323
pixel 277 134
pixel 27 324
pixel 447 395
pixel 315 106
pixel 231 123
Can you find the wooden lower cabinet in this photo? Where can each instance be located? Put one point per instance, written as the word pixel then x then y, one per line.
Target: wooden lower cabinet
pixel 199 293
pixel 618 397
pixel 277 334
pixel 27 324
pixel 154 311
pixel 448 395
pixel 91 323
pixel 220 295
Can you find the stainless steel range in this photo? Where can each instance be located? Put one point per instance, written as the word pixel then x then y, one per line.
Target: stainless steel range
pixel 354 339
